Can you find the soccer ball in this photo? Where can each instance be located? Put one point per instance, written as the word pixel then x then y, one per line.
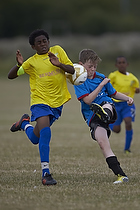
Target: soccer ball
pixel 79 77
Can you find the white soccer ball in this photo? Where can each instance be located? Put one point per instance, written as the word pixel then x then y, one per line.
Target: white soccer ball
pixel 79 77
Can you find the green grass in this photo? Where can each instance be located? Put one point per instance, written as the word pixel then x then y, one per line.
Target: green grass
pixel 84 179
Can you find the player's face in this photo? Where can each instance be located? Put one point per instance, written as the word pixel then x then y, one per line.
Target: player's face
pixel 122 64
pixel 91 68
pixel 41 45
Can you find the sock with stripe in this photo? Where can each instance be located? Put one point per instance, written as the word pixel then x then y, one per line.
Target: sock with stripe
pixel 44 149
pixel 28 128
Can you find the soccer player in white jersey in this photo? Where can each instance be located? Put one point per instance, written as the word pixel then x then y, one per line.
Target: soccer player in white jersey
pixel 126 83
pixel 48 86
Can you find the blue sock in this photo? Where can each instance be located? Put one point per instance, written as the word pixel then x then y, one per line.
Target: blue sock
pixel 23 124
pixel 44 149
pixel 128 139
pixel 33 138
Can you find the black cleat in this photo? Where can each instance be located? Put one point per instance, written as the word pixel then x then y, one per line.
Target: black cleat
pixel 17 126
pixel 48 180
pixel 100 112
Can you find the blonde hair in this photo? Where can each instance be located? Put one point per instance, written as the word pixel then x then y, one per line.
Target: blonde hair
pixel 88 54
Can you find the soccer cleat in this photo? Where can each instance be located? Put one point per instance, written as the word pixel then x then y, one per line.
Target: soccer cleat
pixel 48 180
pixel 100 112
pixel 121 179
pixel 127 151
pixel 17 126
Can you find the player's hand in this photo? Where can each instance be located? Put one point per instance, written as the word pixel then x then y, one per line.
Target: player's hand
pixel 53 59
pixel 19 57
pixel 105 81
pixel 130 101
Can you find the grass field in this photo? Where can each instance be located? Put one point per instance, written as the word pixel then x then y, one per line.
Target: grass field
pixel 84 180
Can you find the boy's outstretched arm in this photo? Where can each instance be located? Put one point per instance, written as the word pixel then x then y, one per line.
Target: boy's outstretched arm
pixel 123 97
pixel 13 71
pixel 54 60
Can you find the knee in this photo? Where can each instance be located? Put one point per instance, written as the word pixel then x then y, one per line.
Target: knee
pixel 116 129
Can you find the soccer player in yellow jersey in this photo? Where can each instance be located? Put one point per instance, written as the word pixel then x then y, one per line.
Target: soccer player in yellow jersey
pixel 127 84
pixel 46 70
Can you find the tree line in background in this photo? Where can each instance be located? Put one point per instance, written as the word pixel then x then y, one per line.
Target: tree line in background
pixel 68 17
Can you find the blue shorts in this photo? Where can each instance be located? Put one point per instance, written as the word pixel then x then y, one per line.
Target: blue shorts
pixel 40 110
pixel 123 111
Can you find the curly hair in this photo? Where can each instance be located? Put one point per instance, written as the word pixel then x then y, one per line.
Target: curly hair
pixel 37 33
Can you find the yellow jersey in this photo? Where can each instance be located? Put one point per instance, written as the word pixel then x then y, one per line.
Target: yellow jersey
pixel 124 83
pixel 47 82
